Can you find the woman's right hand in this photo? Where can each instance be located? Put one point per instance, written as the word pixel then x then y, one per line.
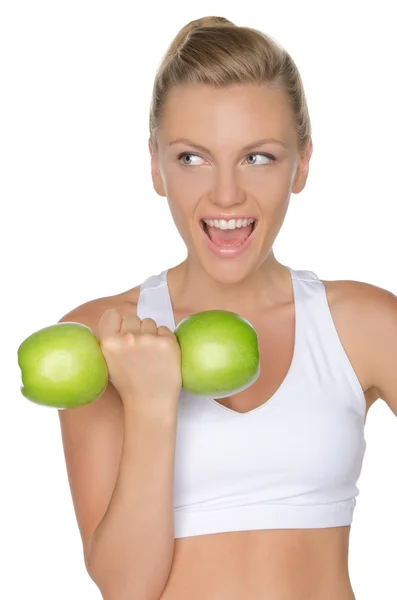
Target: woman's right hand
pixel 144 362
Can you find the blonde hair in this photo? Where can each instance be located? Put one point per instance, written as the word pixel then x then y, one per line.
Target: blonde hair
pixel 216 52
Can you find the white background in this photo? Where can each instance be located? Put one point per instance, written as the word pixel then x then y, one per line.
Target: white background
pixel 80 220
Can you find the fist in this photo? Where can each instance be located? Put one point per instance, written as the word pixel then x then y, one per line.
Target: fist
pixel 143 360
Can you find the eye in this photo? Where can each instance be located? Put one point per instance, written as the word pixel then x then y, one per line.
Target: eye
pixel 269 158
pixel 183 155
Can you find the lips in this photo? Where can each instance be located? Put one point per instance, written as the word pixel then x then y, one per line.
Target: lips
pixel 227 243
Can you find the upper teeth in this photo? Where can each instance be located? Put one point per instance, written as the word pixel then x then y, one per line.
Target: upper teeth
pixel 232 224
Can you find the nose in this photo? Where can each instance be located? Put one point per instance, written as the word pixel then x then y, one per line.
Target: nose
pixel 226 192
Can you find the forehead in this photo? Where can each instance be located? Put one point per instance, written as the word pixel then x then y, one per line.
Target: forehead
pixel 236 113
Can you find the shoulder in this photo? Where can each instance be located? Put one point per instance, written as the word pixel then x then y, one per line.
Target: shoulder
pixel 364 302
pixel 366 316
pixel 89 313
pixel 361 296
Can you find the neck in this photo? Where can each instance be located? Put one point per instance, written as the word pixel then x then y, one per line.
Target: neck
pixel 192 289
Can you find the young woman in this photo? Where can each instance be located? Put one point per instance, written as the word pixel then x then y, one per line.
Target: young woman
pixel 252 496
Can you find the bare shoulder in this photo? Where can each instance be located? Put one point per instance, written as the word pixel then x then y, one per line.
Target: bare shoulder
pixel 365 316
pixel 356 291
pixel 90 312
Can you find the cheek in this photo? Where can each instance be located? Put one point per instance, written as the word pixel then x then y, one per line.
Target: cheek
pixel 182 215
pixel 271 187
pixel 188 181
pixel 183 190
pixel 275 191
pixel 274 206
pixel 182 199
pixel 176 213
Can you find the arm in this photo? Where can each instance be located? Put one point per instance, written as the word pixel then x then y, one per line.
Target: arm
pixel 133 546
pixel 382 345
pixel 367 316
pixel 120 473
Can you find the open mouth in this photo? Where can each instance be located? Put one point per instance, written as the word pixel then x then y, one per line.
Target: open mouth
pixel 229 237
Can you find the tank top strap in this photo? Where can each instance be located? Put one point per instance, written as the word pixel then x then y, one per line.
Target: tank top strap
pixel 302 281
pixel 322 352
pixel 311 299
pixel 154 301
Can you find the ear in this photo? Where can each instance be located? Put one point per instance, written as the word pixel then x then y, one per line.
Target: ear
pixel 155 170
pixel 303 169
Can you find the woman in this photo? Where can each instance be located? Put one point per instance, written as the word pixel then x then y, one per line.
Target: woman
pixel 251 496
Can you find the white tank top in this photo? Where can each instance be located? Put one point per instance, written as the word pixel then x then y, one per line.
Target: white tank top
pixel 294 461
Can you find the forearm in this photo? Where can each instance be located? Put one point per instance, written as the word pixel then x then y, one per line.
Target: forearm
pixel 132 548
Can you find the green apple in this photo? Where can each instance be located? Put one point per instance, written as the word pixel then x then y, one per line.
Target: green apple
pixel 219 353
pixel 62 366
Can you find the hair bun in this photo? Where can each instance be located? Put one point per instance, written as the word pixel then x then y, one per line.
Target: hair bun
pixel 199 24
pixel 210 22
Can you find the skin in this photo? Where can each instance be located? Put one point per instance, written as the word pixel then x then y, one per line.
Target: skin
pixel 287 564
pixel 224 181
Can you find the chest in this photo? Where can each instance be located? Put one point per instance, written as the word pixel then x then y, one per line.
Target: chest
pixel 277 435
pixel 276 338
pixel 309 437
pixel 275 329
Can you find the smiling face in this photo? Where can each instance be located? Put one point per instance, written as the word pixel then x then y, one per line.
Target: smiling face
pixel 230 174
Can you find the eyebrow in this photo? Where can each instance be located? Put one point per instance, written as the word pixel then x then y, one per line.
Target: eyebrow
pixel 252 145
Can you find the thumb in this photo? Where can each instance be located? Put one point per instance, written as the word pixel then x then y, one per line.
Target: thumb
pixel 110 323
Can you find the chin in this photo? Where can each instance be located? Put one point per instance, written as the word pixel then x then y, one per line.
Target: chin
pixel 229 271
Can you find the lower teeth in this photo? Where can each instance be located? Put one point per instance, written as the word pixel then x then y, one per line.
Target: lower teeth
pixel 205 226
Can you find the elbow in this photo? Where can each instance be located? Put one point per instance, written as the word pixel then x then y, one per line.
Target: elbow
pixel 118 583
pixel 95 576
pixel 89 566
pixel 111 589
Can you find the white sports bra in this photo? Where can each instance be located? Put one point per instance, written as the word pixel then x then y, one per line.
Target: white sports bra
pixel 294 461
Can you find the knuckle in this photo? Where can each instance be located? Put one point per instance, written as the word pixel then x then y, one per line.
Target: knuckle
pixel 108 342
pixel 132 317
pixel 166 343
pixel 130 338
pixel 146 339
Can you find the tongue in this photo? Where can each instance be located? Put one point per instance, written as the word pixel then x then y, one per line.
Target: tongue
pixel 229 237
